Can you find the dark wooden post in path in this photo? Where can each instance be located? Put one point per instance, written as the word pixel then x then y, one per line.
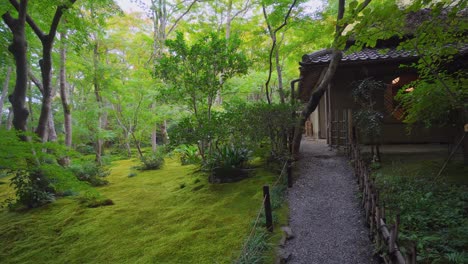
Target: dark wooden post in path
pixel 267 205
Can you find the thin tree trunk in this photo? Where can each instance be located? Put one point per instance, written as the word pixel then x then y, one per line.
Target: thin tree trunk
pixel 279 72
pixel 64 94
pixel 97 93
pixel 4 92
pixel 154 145
pixel 30 108
pixel 9 123
pixel 137 144
pixel 165 135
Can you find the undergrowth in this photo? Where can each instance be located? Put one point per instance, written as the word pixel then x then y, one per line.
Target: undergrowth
pixel 433 211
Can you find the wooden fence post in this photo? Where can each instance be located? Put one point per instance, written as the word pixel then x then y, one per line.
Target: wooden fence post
pixel 267 205
pixel 289 171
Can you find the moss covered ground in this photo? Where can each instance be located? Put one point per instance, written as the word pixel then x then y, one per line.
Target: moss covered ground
pixel 171 215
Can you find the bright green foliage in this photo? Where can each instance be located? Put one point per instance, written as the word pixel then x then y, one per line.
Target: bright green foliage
pixel 188 154
pixel 152 220
pixel 197 72
pixel 433 212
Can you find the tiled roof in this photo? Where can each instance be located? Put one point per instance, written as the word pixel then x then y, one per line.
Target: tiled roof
pixel 367 55
pixel 323 56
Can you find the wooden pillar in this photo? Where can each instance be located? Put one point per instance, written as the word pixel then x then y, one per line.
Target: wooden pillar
pixel 267 205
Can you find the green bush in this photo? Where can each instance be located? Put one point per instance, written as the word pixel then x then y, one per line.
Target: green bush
pixel 32 189
pixel 90 172
pixel 188 154
pixel 153 161
pixel 227 157
pixel 433 215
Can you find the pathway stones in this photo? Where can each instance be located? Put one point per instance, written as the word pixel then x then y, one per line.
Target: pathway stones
pixel 325 215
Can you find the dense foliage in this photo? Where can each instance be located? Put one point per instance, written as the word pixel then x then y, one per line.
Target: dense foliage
pixel 433 211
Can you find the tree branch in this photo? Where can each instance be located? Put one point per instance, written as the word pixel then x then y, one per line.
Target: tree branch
pixel 9 20
pixel 31 22
pixel 36 81
pixel 246 6
pixel 273 46
pixel 180 17
pixel 56 20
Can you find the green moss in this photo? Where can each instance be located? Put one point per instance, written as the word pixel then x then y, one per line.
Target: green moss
pixel 152 220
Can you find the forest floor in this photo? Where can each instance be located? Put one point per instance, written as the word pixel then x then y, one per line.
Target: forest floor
pixel 325 216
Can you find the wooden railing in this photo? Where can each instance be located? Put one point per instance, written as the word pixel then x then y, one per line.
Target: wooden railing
pixel 385 237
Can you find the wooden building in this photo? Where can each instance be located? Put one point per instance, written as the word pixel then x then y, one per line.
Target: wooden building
pixel 383 63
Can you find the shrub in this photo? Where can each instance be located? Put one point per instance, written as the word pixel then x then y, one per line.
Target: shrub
pixel 152 161
pixel 90 172
pixel 188 154
pixel 433 214
pixel 32 189
pixel 227 157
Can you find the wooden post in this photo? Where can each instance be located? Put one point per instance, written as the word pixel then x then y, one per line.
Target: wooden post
pixel 289 171
pixel 267 205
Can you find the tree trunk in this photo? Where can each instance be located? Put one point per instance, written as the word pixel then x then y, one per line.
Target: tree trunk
pixel 46 68
pixel 137 144
pixel 165 135
pixel 154 142
pixel 315 100
pixel 97 92
pixel 51 133
pixel 18 48
pixel 64 95
pixel 4 92
pixel 154 145
pixel 9 123
pixel 279 72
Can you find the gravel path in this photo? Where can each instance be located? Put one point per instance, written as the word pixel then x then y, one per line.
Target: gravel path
pixel 325 215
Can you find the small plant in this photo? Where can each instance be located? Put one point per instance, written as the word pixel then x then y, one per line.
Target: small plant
pixel 228 157
pixel 90 172
pixel 188 154
pixel 254 248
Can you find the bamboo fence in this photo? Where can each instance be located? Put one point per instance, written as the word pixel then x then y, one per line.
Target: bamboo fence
pixel 385 237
